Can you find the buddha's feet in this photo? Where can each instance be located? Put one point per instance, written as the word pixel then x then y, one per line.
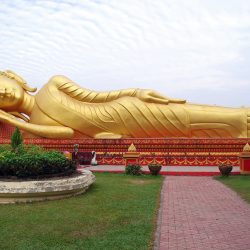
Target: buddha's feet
pixel 248 123
pixel 106 135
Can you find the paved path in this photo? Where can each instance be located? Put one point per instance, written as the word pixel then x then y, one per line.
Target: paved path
pixel 200 213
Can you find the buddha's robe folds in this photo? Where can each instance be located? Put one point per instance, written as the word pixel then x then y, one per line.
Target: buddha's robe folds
pixel 123 114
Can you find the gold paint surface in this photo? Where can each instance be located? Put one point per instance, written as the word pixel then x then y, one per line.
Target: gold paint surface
pixel 63 109
pixel 246 148
pixel 132 148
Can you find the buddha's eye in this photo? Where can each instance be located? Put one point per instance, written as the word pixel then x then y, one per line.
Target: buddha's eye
pixel 4 92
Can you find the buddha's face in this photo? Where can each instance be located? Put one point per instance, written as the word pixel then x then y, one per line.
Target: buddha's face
pixel 11 94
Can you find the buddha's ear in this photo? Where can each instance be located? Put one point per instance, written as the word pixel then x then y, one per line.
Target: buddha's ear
pixel 20 80
pixel 28 88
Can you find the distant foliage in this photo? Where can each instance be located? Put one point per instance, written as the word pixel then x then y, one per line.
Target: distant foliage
pixel 16 140
pixel 133 170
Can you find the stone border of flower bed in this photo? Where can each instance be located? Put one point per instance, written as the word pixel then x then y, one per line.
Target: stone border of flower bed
pixel 48 189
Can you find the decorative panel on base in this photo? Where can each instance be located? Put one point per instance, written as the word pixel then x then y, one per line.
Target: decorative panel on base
pixel 245 164
pixel 131 158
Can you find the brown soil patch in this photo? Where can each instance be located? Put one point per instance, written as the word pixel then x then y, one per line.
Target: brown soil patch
pixel 140 182
pixel 91 232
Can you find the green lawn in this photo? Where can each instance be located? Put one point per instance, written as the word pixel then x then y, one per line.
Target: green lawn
pixel 117 212
pixel 239 183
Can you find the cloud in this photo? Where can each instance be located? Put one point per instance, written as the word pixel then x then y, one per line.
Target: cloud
pixel 180 48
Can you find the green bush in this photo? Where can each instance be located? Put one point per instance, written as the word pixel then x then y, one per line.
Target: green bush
pixel 4 147
pixel 30 164
pixel 32 161
pixel 33 149
pixel 133 170
pixel 16 140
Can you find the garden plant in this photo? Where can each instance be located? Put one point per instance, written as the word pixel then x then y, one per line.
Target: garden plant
pixel 133 169
pixel 31 161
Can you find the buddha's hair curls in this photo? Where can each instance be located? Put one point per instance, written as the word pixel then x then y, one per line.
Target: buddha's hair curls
pixel 12 75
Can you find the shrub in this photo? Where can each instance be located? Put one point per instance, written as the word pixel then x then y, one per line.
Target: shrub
pixel 4 147
pixel 133 170
pixel 154 168
pixel 16 140
pixel 5 167
pixel 32 161
pixel 33 149
pixel 28 164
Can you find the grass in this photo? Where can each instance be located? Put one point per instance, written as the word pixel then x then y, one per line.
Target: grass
pixel 239 183
pixel 117 212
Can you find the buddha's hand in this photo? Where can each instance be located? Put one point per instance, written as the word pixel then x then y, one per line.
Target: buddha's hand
pixel 6 118
pixel 152 96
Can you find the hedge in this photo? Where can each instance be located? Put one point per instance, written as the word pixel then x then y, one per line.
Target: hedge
pixel 34 162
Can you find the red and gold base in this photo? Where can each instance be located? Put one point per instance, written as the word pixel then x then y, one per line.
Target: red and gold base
pixel 174 152
pixel 131 158
pixel 245 163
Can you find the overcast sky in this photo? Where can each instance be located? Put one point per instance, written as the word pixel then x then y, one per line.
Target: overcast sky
pixel 193 49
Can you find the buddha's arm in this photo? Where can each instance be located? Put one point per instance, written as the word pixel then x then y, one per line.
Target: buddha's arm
pixel 40 130
pixel 71 89
pixel 145 95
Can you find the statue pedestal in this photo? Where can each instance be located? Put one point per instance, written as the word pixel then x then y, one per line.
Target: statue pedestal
pixel 245 163
pixel 131 158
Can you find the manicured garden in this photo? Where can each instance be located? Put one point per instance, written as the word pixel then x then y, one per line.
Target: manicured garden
pixel 117 212
pixel 239 183
pixel 30 161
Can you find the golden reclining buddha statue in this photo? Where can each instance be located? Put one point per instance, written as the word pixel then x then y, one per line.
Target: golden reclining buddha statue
pixel 63 109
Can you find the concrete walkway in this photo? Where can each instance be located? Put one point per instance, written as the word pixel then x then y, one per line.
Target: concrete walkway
pixel 201 213
pixel 166 170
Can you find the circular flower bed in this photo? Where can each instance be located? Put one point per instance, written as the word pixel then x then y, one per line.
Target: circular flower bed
pixel 46 189
pixel 30 173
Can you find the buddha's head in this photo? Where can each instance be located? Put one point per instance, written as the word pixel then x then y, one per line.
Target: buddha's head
pixel 12 90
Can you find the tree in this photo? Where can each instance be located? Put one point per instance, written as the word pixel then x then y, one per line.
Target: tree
pixel 16 140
